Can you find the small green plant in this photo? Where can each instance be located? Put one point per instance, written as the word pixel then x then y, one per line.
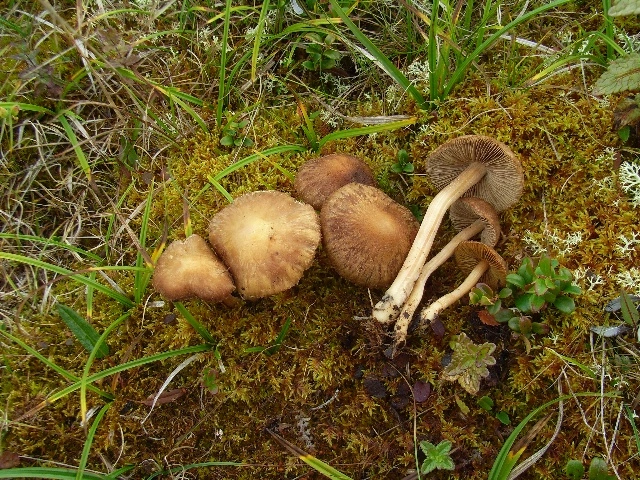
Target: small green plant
pixel 486 403
pixel 232 134
pixel 531 289
pixel 597 470
pixel 437 457
pixel 469 362
pixel 321 54
pixel 403 165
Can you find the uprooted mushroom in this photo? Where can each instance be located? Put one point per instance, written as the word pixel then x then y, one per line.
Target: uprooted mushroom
pixel 471 165
pixel 480 263
pixel 267 239
pixel 471 216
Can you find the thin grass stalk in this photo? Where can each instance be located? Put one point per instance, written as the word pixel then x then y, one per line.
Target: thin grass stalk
pixel 257 39
pixel 608 27
pixel 119 297
pixel 89 441
pixel 64 373
pixel 461 69
pixel 387 65
pixel 89 362
pixel 54 473
pixel 141 279
pixel 433 52
pixel 222 93
pixel 113 370
pixel 197 326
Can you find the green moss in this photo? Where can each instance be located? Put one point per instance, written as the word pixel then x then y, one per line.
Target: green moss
pixel 570 188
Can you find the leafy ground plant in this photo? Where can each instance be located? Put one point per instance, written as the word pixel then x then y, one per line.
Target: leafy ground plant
pixel 437 457
pixel 533 288
pixel 469 362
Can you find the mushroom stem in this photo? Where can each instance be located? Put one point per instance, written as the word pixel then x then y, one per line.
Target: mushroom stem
pixel 387 309
pixel 430 312
pixel 410 306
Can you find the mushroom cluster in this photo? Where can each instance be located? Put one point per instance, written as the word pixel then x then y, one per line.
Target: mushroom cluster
pixel 477 177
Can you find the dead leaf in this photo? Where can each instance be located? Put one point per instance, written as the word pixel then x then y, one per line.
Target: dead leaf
pixel 165 397
pixel 9 460
pixel 488 319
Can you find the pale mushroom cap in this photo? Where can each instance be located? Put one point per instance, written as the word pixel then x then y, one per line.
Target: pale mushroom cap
pixel 320 177
pixel 503 183
pixel 469 254
pixel 268 239
pixel 189 268
pixel 467 210
pixel 367 235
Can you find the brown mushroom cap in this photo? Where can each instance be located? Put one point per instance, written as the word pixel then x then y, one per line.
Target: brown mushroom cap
pixel 189 268
pixel 469 254
pixel 464 212
pixel 320 177
pixel 268 239
pixel 366 234
pixel 501 185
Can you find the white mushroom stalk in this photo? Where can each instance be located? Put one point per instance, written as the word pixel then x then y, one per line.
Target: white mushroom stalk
pixel 471 165
pixel 462 214
pixel 387 309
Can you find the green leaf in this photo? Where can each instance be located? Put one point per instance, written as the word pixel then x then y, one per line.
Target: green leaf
pixel 523 302
pixel 504 418
pixel 516 280
pixel 628 309
pixel 574 469
pixel 564 304
pixel 485 403
pixel 625 7
pixel 437 456
pixel 227 140
pixel 309 65
pixel 83 331
pixel 623 74
pixel 598 469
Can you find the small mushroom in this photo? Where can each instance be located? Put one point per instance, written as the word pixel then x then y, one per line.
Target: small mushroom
pixel 471 216
pixel 268 239
pixel 366 234
pixel 189 268
pixel 471 165
pixel 320 177
pixel 480 263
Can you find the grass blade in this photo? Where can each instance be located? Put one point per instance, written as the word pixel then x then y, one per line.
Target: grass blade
pixel 354 132
pixel 222 93
pixel 387 65
pixel 142 277
pixel 87 444
pixel 197 326
pixel 64 373
pixel 113 370
pixel 47 472
pixel 253 157
pixel 258 39
pixel 87 366
pixel 71 135
pixel 83 331
pixel 318 465
pixel 119 297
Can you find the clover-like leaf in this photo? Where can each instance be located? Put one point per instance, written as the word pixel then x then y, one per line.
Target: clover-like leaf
pixel 623 74
pixel 437 456
pixel 469 363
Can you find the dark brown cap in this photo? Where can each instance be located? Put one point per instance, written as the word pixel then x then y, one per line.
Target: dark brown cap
pixel 366 234
pixel 320 177
pixel 189 268
pixel 467 210
pixel 503 181
pixel 268 239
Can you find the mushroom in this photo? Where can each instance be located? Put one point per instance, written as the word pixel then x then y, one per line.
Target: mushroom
pixel 189 268
pixel 471 216
pixel 471 165
pixel 480 263
pixel 366 234
pixel 268 239
pixel 320 177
